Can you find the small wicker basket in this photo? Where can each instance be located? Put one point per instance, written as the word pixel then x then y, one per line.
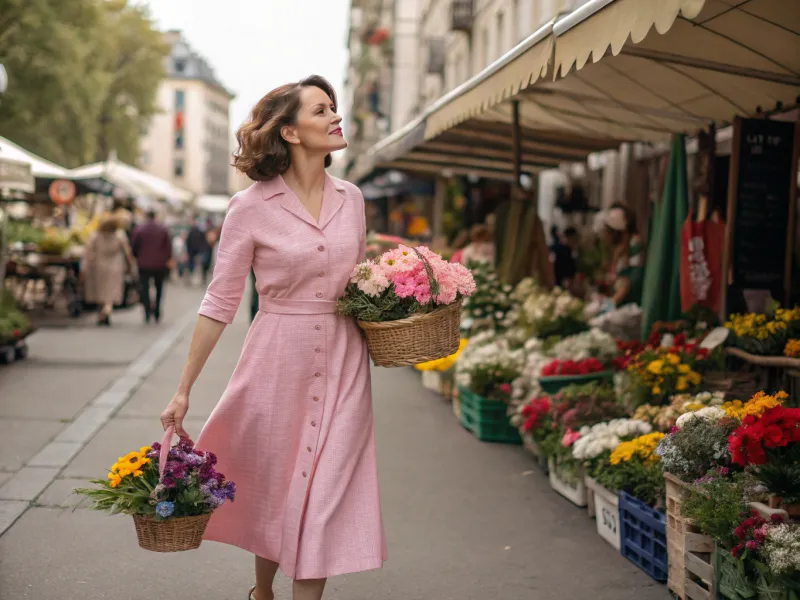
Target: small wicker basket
pixel 170 535
pixel 416 339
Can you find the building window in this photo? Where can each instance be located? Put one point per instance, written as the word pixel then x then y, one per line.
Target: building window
pixel 179 140
pixel 178 168
pixel 180 98
pixel 501 34
pixel 180 65
pixel 145 159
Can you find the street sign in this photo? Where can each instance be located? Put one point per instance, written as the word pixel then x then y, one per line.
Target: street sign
pixel 16 175
pixel 61 191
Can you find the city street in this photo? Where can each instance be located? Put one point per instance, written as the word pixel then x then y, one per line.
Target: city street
pixel 465 520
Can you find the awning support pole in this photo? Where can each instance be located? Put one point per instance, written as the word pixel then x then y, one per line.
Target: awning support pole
pixel 516 141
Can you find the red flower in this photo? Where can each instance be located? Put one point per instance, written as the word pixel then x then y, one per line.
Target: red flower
pixel 504 388
pixel 776 518
pixel 16 333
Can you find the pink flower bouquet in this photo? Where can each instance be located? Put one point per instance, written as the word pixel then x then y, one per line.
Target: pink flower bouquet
pixel 408 302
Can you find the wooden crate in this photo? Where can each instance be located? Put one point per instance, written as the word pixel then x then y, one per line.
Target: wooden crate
pixel 698 564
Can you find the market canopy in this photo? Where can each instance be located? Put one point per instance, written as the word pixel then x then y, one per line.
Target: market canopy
pixel 40 167
pixel 212 203
pixel 136 183
pixel 470 129
pixel 658 67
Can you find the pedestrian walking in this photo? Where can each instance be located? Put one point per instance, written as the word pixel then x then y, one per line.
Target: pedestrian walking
pixel 180 255
pixel 106 260
pixel 199 251
pixel 294 428
pixel 152 249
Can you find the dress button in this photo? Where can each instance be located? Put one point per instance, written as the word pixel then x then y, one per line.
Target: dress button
pixel 317 327
pixel 317 350
pixel 319 294
pixel 320 248
pixel 317 374
pixel 321 274
pixel 313 423
pixel 305 474
pixel 316 398
pixel 308 448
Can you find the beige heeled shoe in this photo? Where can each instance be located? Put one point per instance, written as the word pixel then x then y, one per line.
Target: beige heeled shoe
pixel 250 595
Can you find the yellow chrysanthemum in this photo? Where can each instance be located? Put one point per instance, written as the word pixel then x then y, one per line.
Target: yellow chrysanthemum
pixel 792 349
pixel 681 385
pixel 673 359
pixel 655 367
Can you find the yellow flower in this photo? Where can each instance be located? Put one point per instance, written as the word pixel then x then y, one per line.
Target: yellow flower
pixel 655 367
pixel 681 385
pixel 693 377
pixel 692 406
pixel 622 453
pixel 684 368
pixel 792 349
pixel 673 359
pixel 656 390
pixel 144 449
pixel 134 460
pixel 114 480
pixel 137 473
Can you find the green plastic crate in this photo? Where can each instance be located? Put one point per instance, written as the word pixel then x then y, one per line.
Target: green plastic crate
pixel 486 419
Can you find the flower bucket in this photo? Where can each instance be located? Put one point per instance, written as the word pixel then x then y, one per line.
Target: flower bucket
pixel 553 385
pixel 170 535
pixel 416 339
pixel 776 502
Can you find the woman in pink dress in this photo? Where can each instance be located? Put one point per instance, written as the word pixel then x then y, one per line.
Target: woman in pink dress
pixel 294 428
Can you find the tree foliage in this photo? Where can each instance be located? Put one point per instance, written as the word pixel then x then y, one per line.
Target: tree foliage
pixel 83 77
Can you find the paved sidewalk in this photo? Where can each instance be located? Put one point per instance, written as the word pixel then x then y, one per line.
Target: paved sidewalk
pixel 465 520
pixel 74 379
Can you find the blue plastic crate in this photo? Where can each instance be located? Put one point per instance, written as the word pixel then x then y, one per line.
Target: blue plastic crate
pixel 643 533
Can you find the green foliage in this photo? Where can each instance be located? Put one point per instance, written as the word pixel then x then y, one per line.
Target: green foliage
pixel 643 481
pixel 83 75
pixel 717 503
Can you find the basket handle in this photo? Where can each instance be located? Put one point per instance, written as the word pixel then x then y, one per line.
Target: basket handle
pixel 166 443
pixel 432 283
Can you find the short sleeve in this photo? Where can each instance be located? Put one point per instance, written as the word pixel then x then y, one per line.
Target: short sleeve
pixel 234 260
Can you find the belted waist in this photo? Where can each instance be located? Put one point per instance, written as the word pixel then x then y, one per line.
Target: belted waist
pixel 288 306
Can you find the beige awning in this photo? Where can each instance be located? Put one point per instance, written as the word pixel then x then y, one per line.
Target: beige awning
pixel 520 68
pixel 662 66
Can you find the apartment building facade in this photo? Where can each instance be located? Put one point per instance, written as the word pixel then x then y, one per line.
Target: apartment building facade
pixel 188 141
pixel 434 46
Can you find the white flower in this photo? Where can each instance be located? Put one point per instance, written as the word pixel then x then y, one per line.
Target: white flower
pixel 589 344
pixel 709 413
pixel 604 437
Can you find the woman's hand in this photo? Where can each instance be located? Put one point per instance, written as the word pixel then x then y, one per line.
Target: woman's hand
pixel 175 412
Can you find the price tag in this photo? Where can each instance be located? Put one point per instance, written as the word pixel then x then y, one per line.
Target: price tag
pixel 714 339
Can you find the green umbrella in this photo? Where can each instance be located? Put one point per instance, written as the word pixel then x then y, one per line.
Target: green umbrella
pixel 661 300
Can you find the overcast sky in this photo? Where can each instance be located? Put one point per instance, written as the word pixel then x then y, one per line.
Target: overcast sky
pixel 256 45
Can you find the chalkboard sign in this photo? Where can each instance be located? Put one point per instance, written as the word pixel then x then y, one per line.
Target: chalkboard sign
pixel 763 210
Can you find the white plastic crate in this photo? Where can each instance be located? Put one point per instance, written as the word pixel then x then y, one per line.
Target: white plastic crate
pixel 606 506
pixel 575 491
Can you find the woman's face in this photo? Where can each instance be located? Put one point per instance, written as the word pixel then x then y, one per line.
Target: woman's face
pixel 317 128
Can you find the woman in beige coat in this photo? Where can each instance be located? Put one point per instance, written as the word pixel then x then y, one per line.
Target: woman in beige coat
pixel 106 261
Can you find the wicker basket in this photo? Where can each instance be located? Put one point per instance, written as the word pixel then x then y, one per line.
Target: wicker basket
pixel 170 535
pixel 416 339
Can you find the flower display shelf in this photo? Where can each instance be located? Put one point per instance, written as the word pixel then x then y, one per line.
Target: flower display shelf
pixel 553 385
pixel 643 536
pixel 486 419
pixel 690 553
pixel 605 509
pixel 574 491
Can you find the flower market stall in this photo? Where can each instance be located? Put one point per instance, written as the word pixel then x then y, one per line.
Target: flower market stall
pixel 689 464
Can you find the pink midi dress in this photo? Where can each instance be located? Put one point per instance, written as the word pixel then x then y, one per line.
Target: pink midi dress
pixel 294 428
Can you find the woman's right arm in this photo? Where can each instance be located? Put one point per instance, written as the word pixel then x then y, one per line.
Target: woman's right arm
pixel 219 306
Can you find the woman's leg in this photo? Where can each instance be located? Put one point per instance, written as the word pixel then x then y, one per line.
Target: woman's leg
pixel 265 574
pixel 308 589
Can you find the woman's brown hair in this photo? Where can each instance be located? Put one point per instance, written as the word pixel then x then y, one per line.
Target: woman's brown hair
pixel 263 153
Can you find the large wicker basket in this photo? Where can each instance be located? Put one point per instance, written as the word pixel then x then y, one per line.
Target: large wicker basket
pixel 170 535
pixel 416 339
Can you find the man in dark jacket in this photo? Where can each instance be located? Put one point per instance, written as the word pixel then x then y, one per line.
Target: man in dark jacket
pixel 197 247
pixel 152 248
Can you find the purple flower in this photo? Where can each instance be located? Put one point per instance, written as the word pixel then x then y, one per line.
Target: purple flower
pixel 168 482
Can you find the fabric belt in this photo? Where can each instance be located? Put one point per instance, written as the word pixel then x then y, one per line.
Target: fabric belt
pixel 288 306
